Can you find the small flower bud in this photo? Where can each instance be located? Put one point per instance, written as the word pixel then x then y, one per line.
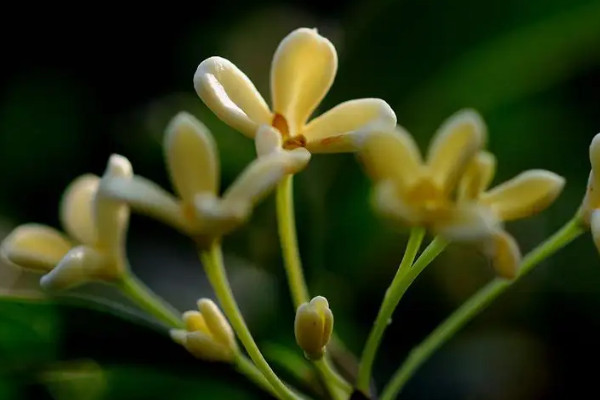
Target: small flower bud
pixel 313 327
pixel 208 335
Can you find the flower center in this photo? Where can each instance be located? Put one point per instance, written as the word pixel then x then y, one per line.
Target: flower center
pixel 289 142
pixel 424 194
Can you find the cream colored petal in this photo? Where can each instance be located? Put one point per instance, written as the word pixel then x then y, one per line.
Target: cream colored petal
pixel 303 69
pixel 112 216
pixel 308 329
pixel 467 222
pixel 391 155
pixel 261 176
pixel 345 127
pixel 194 321
pixel 387 201
pixel 477 177
pixel 267 140
pixel 191 156
pixel 506 255
pixel 76 208
pixel 179 336
pixel 206 348
pixel 595 228
pixel 229 93
pixel 454 146
pixel 524 195
pixel 592 196
pixel 80 265
pixel 217 323
pixel 35 247
pixel 148 198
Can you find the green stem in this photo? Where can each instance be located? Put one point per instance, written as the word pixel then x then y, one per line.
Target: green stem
pixel 248 369
pixel 474 305
pixel 149 301
pixel 330 375
pixel 394 293
pixel 215 271
pixel 289 242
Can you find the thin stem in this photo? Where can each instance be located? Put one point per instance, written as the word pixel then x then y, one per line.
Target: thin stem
pixel 327 371
pixel 474 305
pixel 289 242
pixel 248 369
pixel 394 293
pixel 149 301
pixel 215 271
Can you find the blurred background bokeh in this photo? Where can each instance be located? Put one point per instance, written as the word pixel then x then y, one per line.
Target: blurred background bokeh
pixel 81 83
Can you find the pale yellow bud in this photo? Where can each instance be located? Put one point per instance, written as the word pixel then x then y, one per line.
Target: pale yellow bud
pixel 207 335
pixel 313 327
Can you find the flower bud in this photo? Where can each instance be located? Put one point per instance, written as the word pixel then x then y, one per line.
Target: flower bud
pixel 208 335
pixel 313 327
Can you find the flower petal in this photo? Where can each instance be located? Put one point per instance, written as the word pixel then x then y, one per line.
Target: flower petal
pixel 148 198
pixel 595 228
pixel 345 127
pixel 591 200
pixel 35 247
pixel 524 195
pixel 387 201
pixel 303 69
pixel 454 146
pixel 217 323
pixel 477 177
pixel 191 156
pixel 267 140
pixel 506 255
pixel 391 155
pixel 467 222
pixel 112 216
pixel 80 265
pixel 76 208
pixel 229 93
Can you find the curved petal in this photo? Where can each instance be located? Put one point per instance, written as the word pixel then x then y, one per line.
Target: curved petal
pixel 217 323
pixel 467 222
pixel 454 146
pixel 506 255
pixel 80 265
pixel 524 195
pixel 147 198
pixel 204 347
pixel 76 208
pixel 229 93
pixel 345 127
pixel 387 202
pixel 267 140
pixel 112 216
pixel 303 69
pixel 391 155
pixel 477 177
pixel 595 228
pixel 35 247
pixel 191 156
pixel 591 200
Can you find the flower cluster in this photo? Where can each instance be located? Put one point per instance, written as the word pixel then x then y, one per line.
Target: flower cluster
pixel 445 193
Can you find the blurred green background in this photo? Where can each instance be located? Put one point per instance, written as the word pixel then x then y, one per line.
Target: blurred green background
pixel 80 84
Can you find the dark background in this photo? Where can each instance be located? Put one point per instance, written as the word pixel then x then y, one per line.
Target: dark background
pixel 78 84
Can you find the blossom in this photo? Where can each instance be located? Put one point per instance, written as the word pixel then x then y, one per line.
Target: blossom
pixel 93 247
pixel 207 334
pixel 522 196
pixel 302 71
pixel 193 165
pixel 421 193
pixel 589 211
pixel 313 327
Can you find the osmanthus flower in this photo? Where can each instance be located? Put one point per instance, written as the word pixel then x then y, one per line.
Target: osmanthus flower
pixel 207 334
pixel 522 196
pixel 415 192
pixel 589 211
pixel 313 327
pixel 93 248
pixel 302 71
pixel 193 165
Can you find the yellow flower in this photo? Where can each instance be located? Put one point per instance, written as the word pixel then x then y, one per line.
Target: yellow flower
pixel 208 335
pixel 193 165
pixel 520 197
pixel 422 193
pixel 92 250
pixel 302 71
pixel 590 208
pixel 313 327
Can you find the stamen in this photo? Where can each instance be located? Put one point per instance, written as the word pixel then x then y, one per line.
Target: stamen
pixel 280 123
pixel 295 142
